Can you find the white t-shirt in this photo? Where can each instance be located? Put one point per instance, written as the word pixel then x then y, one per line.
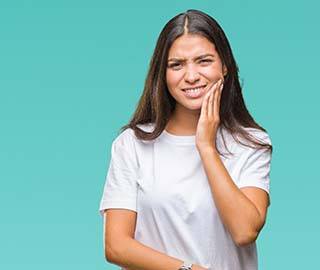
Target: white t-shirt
pixel 165 183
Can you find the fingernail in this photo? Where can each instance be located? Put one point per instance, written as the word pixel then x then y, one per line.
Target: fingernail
pixel 221 87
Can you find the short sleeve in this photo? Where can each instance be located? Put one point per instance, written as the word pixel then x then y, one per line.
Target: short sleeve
pixel 120 189
pixel 256 168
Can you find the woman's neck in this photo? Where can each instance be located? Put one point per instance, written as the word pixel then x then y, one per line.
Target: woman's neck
pixel 183 122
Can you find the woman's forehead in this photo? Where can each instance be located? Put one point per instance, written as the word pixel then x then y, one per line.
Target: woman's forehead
pixel 190 46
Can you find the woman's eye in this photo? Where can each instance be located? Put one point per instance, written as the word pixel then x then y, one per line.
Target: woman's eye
pixel 205 61
pixel 174 65
pixel 178 65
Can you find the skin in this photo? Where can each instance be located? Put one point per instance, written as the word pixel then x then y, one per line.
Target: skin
pixel 188 72
pixel 243 211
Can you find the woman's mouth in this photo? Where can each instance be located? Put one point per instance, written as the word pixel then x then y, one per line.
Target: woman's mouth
pixel 195 92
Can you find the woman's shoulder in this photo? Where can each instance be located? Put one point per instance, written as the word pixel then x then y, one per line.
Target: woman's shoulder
pixel 259 135
pixel 237 144
pixel 148 127
pixel 256 133
pixel 127 136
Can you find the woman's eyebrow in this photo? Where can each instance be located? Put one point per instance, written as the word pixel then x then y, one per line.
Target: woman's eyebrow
pixel 195 58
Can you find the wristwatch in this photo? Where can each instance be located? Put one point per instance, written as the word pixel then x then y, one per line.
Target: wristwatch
pixel 186 266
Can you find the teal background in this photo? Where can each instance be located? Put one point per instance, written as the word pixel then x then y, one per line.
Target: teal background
pixel 71 73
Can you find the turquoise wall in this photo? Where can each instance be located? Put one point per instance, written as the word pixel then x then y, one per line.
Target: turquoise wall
pixel 71 73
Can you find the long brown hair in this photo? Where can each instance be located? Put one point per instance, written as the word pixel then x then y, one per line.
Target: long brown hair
pixel 156 103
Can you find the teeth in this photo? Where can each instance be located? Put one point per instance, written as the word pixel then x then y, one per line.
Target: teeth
pixel 194 90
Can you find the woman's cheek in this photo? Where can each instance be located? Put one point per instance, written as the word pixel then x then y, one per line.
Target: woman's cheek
pixel 213 73
pixel 173 78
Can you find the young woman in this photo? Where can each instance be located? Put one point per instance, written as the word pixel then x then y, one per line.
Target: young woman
pixel 188 180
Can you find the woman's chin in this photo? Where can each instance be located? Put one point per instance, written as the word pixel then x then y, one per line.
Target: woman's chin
pixel 194 106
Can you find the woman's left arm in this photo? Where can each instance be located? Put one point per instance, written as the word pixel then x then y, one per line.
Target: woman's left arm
pixel 243 211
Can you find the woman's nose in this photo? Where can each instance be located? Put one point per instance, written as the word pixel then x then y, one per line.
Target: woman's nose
pixel 191 75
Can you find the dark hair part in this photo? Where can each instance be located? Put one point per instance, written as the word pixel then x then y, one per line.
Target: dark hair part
pixel 156 103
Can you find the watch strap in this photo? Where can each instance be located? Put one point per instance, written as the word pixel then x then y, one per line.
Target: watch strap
pixel 186 266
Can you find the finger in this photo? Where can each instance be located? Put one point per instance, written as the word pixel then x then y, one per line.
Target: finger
pixel 220 94
pixel 214 84
pixel 221 78
pixel 210 102
pixel 216 104
pixel 203 112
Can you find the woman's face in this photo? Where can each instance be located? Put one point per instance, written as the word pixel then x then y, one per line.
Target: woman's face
pixel 193 63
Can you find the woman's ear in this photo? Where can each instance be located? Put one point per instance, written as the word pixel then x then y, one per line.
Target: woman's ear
pixel 225 71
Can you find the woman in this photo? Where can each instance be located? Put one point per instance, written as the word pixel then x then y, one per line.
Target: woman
pixel 188 181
